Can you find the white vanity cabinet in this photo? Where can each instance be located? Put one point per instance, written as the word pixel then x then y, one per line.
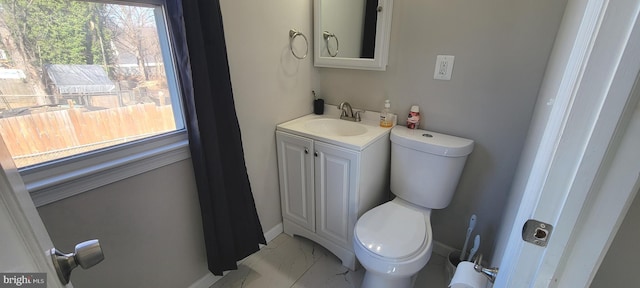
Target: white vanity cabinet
pixel 295 171
pixel 324 188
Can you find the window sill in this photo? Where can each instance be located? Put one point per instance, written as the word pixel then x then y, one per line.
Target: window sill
pixel 74 176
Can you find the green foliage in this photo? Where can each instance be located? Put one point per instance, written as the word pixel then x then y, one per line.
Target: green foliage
pixel 58 31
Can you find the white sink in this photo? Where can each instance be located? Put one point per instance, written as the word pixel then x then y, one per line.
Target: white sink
pixel 337 127
pixel 329 128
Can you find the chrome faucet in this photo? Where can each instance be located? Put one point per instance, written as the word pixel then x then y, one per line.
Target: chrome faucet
pixel 347 112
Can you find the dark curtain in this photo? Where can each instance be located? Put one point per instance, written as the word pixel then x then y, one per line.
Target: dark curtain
pixel 231 226
pixel 369 33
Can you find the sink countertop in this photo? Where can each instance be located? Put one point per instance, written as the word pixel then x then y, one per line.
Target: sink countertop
pixel 370 119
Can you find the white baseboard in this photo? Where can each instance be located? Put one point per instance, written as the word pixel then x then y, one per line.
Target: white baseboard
pixel 209 279
pixel 206 281
pixel 442 249
pixel 273 232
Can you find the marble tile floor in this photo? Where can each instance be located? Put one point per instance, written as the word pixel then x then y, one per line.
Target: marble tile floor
pixel 298 262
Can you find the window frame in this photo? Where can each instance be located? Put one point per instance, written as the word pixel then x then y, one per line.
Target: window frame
pixel 59 179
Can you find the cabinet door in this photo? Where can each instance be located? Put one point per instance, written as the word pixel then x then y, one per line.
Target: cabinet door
pixel 335 171
pixel 295 170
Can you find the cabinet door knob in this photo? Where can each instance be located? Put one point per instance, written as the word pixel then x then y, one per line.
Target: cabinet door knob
pixel 315 153
pixel 306 150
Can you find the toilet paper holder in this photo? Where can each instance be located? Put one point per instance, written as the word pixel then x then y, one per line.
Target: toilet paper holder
pixel 491 273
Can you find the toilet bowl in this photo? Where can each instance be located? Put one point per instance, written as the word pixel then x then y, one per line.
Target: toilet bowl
pixel 393 241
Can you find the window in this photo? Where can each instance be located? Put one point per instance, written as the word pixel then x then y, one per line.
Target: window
pixel 86 87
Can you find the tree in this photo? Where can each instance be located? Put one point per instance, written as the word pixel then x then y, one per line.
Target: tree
pixel 102 36
pixel 134 31
pixel 57 32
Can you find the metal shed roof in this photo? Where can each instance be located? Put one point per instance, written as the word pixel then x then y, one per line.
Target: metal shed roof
pixel 79 79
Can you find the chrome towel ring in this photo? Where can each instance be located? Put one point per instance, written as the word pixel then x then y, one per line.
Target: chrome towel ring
pixel 292 35
pixel 326 35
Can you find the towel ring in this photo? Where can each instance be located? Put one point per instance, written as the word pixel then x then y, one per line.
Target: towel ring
pixel 292 35
pixel 326 35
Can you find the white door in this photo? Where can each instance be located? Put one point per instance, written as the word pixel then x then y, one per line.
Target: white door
pixel 581 162
pixel 25 241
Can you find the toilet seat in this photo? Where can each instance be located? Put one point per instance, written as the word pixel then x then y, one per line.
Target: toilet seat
pixel 393 230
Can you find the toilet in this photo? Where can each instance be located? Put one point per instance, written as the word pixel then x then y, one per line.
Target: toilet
pixel 393 241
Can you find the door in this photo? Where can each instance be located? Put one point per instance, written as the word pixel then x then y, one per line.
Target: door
pixel 295 170
pixel 581 165
pixel 335 172
pixel 25 241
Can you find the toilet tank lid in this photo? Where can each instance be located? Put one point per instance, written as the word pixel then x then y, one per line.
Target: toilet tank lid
pixel 431 142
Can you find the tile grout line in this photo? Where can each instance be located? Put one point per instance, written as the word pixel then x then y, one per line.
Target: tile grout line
pixel 309 268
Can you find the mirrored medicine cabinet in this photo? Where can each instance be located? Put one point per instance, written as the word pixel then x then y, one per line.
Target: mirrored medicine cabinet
pixel 352 34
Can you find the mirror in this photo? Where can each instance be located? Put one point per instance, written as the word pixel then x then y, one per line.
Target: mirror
pixel 352 33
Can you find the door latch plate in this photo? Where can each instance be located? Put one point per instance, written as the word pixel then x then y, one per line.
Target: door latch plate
pixel 536 232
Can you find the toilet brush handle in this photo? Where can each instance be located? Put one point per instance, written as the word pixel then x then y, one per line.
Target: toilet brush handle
pixel 464 248
pixel 476 245
pixel 472 225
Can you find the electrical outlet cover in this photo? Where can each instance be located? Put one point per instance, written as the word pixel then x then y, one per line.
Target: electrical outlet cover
pixel 444 67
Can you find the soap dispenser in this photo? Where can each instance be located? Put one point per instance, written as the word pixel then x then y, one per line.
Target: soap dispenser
pixel 386 117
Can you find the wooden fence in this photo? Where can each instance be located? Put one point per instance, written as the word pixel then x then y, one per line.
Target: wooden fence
pixel 45 136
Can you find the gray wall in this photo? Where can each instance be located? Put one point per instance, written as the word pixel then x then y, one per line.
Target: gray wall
pixel 501 50
pixel 149 227
pixel 619 267
pixel 270 86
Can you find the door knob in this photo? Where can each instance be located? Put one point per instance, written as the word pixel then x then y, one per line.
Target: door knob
pixel 86 254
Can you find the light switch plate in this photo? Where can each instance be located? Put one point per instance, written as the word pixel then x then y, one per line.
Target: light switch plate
pixel 444 67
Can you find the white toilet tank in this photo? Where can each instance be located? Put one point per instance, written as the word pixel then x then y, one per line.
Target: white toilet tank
pixel 426 166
